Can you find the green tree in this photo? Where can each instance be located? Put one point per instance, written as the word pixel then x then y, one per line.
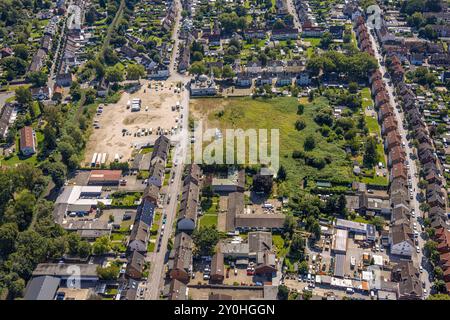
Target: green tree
pixel 300 124
pixel 8 235
pixel 378 222
pixel 37 78
pixel 289 223
pixel 310 143
pixel 198 68
pixel 135 71
pixel 21 210
pixel 227 72
pixel 23 95
pixel 108 273
pixel 205 240
pixel 303 267
pixel 282 174
pixel 21 51
pixel 439 296
pixel 297 245
pixel 370 153
pixel 283 292
pixel 101 245
pixel 114 74
pixel 326 40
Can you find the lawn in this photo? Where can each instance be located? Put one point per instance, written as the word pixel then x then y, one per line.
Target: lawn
pixel 121 199
pixel 280 114
pixel 372 125
pixel 366 98
pixel 278 242
pixel 208 220
pixel 209 207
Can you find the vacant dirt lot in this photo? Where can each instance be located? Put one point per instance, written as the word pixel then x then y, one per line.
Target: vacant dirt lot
pixel 237 294
pixel 109 138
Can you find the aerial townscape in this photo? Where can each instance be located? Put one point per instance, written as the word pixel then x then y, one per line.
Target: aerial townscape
pixel 102 193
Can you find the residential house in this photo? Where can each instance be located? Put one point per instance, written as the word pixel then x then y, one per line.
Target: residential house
pixel 284 80
pixel 254 34
pixel 337 31
pixel 396 155
pixel 161 149
pixel 389 124
pixel 295 66
pixel 203 86
pixel 217 268
pixel 401 240
pixel 139 237
pixel 310 31
pixel 187 216
pixel 157 174
pixel 28 141
pixel 41 93
pixel 265 264
pixel 275 66
pixel 177 290
pixel 243 80
pixel 135 266
pixel 408 277
pixel 180 259
pixel 254 67
pixel 37 61
pixel 285 34
pixel 303 79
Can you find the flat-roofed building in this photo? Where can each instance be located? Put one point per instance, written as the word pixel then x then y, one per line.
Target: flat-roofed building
pixel 42 288
pixel 104 177
pixel 340 241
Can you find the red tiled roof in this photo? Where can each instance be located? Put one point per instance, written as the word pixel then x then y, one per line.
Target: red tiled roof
pixel 105 175
pixel 26 138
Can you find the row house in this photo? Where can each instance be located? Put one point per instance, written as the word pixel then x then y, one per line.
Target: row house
pixel 396 70
pixel 398 171
pixel 440 59
pixel 389 124
pixel 392 140
pixel 377 86
pixel 284 80
pixel 254 34
pixel 310 31
pixel 384 111
pixel 243 80
pixel 285 34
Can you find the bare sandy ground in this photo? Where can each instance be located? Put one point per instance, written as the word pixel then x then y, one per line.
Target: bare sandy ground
pixel 109 138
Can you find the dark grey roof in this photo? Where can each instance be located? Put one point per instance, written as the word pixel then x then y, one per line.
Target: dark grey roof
pixel 259 241
pixel 161 148
pixel 42 288
pixel 189 202
pixel 339 265
pixel 178 290
pixel 235 207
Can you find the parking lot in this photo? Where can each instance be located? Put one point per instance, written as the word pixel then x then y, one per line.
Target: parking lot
pixel 118 130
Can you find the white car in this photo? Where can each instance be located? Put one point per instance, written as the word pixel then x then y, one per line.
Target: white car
pixel 418 249
pixel 420 269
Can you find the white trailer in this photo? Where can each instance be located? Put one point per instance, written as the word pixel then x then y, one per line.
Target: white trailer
pixel 103 158
pixel 94 160
pixel 116 157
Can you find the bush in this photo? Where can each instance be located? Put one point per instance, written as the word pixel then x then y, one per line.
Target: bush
pixel 300 125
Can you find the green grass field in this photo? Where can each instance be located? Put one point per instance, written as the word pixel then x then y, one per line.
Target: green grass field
pixel 208 220
pixel 281 114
